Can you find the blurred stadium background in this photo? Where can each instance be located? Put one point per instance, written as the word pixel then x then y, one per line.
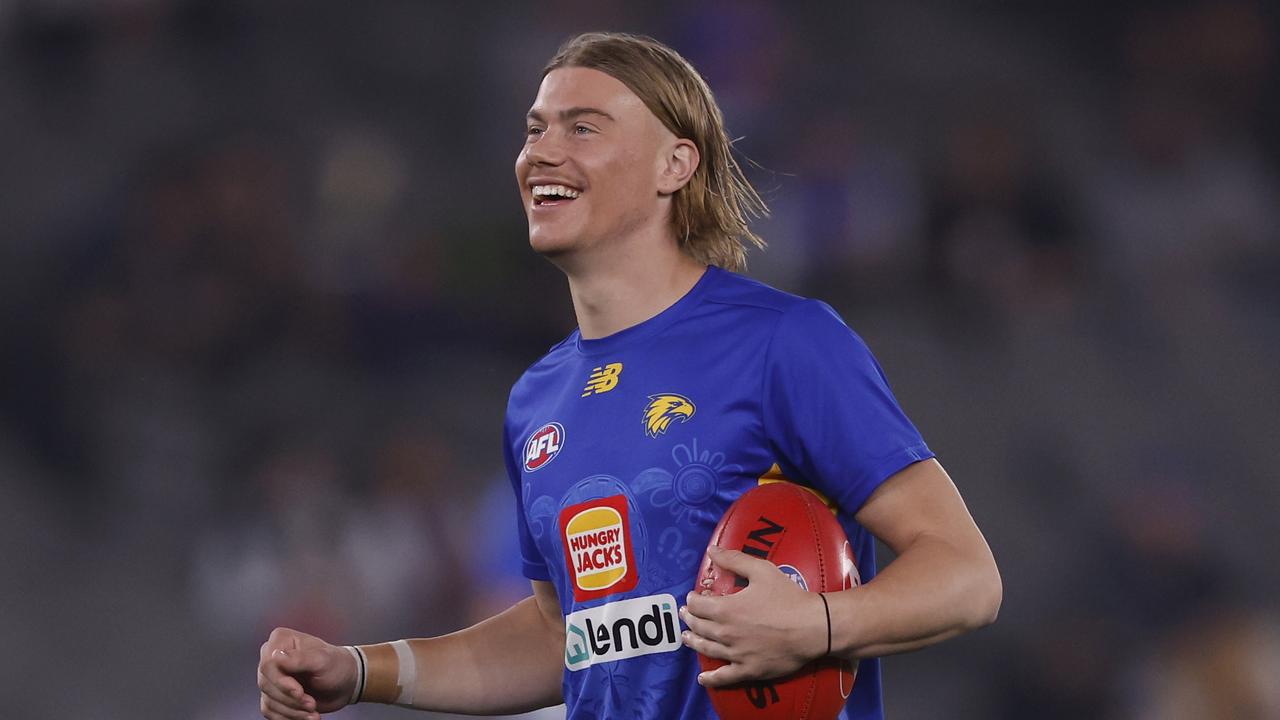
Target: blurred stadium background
pixel 264 284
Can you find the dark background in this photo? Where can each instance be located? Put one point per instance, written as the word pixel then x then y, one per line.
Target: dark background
pixel 264 285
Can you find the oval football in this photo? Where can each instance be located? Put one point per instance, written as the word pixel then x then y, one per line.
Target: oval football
pixel 790 526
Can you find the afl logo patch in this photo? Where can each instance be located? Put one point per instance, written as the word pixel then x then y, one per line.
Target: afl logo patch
pixel 543 446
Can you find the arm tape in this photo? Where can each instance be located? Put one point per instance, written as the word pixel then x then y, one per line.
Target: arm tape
pixel 408 680
pixel 390 673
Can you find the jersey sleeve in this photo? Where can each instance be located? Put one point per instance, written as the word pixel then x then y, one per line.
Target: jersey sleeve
pixel 829 414
pixel 531 562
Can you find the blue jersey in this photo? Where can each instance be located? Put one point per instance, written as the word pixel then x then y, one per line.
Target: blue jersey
pixel 625 451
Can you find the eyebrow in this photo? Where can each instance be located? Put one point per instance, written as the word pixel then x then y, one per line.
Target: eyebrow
pixel 571 113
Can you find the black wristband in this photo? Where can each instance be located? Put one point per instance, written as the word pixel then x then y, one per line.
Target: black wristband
pixel 827 608
pixel 364 674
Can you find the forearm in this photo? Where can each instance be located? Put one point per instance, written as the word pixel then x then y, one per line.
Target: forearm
pixel 510 663
pixel 931 592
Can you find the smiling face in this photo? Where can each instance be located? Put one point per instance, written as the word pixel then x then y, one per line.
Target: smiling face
pixel 596 166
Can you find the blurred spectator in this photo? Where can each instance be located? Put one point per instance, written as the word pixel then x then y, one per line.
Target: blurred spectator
pixel 1219 666
pixel 277 559
pixel 1001 236
pixel 403 538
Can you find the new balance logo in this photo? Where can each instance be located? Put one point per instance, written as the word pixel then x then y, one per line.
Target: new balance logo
pixel 602 379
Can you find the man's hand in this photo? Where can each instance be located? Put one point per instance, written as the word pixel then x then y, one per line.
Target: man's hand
pixel 769 629
pixel 301 676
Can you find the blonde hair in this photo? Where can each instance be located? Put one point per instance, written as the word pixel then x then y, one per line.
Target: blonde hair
pixel 710 213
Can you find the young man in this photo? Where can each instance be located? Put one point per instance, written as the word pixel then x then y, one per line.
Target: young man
pixel 684 386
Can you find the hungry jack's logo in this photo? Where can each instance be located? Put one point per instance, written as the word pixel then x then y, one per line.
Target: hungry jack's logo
pixel 664 408
pixel 602 379
pixel 597 547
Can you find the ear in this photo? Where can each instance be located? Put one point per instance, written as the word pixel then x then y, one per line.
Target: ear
pixel 677 165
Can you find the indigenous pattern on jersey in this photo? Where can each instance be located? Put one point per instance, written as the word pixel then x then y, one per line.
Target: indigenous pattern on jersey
pixel 625 451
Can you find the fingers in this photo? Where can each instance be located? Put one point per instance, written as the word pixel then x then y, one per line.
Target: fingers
pixel 294 698
pixel 298 661
pixel 274 710
pixel 705 646
pixel 281 658
pixel 271 674
pixel 740 563
pixel 728 675
pixel 707 607
pixel 279 639
pixel 700 626
pixel 276 683
pixel 704 636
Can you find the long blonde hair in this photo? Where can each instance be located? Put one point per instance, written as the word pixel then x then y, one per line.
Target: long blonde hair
pixel 711 212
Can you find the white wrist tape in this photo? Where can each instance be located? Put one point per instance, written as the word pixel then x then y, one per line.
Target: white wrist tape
pixel 408 679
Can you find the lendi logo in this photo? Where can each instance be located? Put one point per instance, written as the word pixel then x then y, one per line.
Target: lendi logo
pixel 620 630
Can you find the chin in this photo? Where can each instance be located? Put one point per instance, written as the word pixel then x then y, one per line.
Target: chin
pixel 550 245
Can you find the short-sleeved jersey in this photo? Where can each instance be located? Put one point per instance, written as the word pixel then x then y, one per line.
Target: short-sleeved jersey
pixel 625 451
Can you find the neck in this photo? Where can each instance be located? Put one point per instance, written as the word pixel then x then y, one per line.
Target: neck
pixel 629 288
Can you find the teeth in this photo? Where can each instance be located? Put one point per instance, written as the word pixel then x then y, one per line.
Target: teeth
pixel 548 190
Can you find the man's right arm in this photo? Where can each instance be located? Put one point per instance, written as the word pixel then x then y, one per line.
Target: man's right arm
pixel 512 662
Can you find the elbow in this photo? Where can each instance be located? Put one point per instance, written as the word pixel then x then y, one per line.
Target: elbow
pixel 987 595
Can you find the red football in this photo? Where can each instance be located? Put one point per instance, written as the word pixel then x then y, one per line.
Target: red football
pixel 793 528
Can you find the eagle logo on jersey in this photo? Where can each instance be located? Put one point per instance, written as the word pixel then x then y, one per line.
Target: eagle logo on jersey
pixel 602 379
pixel 664 408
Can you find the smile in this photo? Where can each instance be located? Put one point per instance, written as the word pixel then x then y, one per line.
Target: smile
pixel 553 195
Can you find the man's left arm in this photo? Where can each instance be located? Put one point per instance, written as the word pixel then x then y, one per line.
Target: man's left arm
pixel 943 582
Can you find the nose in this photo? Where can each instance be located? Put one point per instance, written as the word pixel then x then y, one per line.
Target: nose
pixel 545 151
